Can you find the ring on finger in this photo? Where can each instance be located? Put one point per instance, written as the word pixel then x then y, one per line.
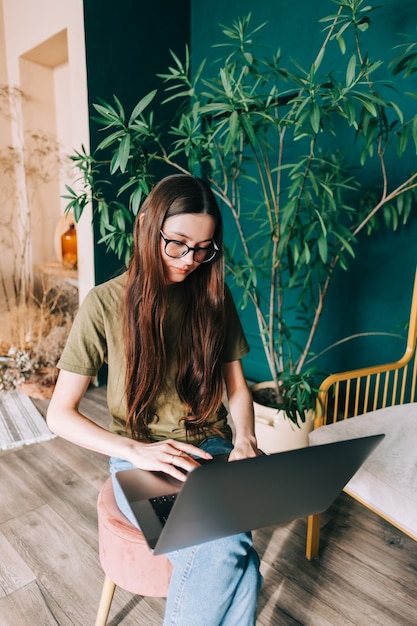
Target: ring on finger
pixel 172 459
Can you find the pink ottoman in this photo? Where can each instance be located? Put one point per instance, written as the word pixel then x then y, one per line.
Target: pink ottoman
pixel 125 556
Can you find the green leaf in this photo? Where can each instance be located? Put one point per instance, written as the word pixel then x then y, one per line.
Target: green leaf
pixel 249 129
pixel 319 59
pixel 315 117
pixel 307 253
pixel 367 103
pixel 322 247
pixel 234 126
pixel 363 24
pixel 402 141
pixel 400 203
pixel 342 44
pixel 351 71
pixel 109 114
pixel 135 200
pixel 408 206
pixel 141 105
pixel 123 153
pixel 345 243
pixel 110 139
pixel 414 130
pixel 398 111
pixel 350 112
pixel 322 224
pixel 226 83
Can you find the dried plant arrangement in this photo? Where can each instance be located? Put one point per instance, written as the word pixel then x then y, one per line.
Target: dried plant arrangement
pixel 33 336
pixel 35 316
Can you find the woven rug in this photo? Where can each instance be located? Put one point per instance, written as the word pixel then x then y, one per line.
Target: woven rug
pixel 20 421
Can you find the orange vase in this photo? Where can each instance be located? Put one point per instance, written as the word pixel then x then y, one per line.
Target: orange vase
pixel 69 248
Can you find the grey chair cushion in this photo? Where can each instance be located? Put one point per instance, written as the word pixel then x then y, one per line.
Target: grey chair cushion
pixel 387 481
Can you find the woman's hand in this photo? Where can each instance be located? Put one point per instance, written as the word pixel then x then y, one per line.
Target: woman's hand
pixel 241 411
pixel 244 449
pixel 172 457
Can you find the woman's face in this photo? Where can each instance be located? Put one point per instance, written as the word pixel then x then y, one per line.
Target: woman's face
pixel 194 229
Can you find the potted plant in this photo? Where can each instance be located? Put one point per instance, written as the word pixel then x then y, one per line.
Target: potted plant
pixel 267 137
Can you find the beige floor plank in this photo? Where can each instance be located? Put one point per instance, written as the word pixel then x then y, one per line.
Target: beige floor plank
pixel 69 568
pixel 138 611
pixel 17 495
pixel 90 466
pixel 29 607
pixel 287 601
pixel 14 572
pixel 58 484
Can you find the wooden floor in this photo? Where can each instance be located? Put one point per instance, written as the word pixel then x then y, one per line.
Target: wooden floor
pixel 50 573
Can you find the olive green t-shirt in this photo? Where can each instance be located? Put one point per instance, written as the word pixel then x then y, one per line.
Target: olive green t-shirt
pixel 96 337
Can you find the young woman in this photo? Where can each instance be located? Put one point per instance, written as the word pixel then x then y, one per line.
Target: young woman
pixel 170 335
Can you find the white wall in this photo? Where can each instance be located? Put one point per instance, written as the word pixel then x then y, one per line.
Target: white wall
pixel 42 52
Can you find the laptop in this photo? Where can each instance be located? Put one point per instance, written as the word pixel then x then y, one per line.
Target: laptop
pixel 221 498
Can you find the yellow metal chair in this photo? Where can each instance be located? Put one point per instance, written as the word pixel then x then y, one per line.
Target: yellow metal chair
pixel 356 392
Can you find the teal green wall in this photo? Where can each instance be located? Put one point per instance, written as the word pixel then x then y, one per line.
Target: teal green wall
pixel 375 294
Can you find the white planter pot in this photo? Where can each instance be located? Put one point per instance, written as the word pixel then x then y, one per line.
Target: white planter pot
pixel 275 432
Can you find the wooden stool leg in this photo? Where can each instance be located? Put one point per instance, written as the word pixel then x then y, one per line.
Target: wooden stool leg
pixel 106 599
pixel 313 536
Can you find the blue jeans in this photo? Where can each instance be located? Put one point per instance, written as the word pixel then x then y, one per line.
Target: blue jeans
pixel 214 583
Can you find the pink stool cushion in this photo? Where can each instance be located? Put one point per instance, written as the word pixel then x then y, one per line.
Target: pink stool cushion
pixel 124 554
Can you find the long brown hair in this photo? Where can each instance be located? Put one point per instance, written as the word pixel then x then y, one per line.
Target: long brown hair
pixel 201 335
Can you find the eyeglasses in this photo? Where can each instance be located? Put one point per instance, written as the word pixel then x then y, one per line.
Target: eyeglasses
pixel 178 249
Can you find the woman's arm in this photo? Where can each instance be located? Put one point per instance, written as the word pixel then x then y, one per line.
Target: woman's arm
pixel 241 410
pixel 65 420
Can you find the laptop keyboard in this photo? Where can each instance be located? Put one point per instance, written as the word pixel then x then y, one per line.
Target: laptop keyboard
pixel 163 505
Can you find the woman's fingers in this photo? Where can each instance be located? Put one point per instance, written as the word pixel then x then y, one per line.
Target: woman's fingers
pixel 181 460
pixel 172 457
pixel 188 449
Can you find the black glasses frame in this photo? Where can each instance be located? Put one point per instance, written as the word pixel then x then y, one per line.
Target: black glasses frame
pixel 214 250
